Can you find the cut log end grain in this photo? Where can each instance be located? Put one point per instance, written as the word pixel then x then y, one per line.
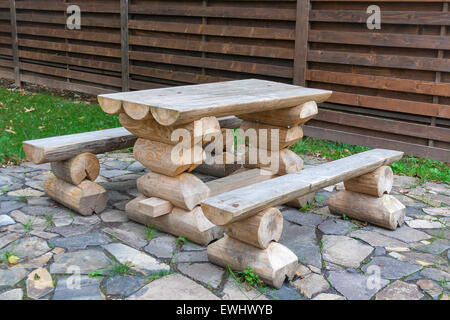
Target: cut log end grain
pixel 302 201
pixel 136 111
pixel 185 191
pixel 77 169
pixel 110 106
pixel 165 117
pixel 387 211
pixel 86 198
pixel 289 117
pixel 259 230
pixel 376 183
pixel 273 265
pixel 191 224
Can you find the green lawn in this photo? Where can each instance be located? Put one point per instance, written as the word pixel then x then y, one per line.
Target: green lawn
pixel 32 116
pixel 27 116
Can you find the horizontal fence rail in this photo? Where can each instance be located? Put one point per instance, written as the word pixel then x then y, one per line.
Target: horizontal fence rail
pixel 391 85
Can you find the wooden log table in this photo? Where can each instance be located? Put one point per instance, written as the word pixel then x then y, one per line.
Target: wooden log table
pixel 170 195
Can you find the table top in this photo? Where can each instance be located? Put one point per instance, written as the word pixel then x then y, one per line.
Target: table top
pixel 186 103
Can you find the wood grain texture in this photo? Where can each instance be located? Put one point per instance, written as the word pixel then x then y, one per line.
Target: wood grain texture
pixel 185 191
pixel 302 201
pixel 273 265
pixel 86 198
pixel 66 147
pixel 259 230
pixel 155 207
pixel 283 137
pixel 191 225
pixel 278 162
pixel 288 117
pixel 248 201
pixel 77 169
pixel 167 159
pixel 386 212
pixel 376 183
pixel 187 103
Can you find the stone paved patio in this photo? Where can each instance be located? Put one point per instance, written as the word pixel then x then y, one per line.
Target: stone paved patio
pixel 66 256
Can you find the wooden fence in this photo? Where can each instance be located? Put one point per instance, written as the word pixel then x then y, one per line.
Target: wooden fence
pixel 392 86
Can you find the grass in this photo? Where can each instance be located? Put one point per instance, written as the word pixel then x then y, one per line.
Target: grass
pixel 424 169
pixel 27 116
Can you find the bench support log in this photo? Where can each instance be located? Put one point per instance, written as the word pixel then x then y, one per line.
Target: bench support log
pixel 376 183
pixel 192 225
pixel 385 212
pixel 86 198
pixel 273 265
pixel 77 169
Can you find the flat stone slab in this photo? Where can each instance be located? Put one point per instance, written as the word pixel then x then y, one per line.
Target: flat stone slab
pixel 336 227
pixel 404 233
pixel 82 262
pixel 435 274
pixel 344 251
pixel 85 289
pixel 58 212
pixel 126 237
pixel 8 238
pixel 124 285
pixel 39 283
pixel 400 290
pixel 303 218
pixel 139 260
pixel 355 286
pixel 81 241
pixel 71 231
pixel 27 192
pixel 173 287
pixel 14 294
pixel 206 273
pixel 311 285
pixel 6 220
pixel 114 216
pixel 437 247
pixel 285 293
pixel 391 268
pixel 430 287
pixel 10 277
pixel 8 206
pixel 378 240
pixel 423 224
pixel 162 247
pixel 28 247
pixel 328 297
pixel 191 256
pixel 303 242
pixel 36 262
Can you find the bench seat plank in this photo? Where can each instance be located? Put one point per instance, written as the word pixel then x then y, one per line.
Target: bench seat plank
pixel 68 146
pixel 245 202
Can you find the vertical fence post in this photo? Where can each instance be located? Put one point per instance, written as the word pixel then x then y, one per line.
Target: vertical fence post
pixel 124 45
pixel 301 42
pixel 15 42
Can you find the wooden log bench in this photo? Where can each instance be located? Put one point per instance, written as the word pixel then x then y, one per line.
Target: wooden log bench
pixel 252 227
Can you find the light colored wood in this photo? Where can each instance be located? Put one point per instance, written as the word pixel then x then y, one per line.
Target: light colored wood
pixel 136 111
pixel 287 162
pixel 239 180
pixel 288 117
pixel 189 224
pixel 155 207
pixel 77 169
pixel 69 146
pixel 273 265
pixel 86 198
pixel 376 183
pixel 302 201
pixel 197 131
pixel 245 202
pixel 110 106
pixel 176 105
pixel 218 170
pixel 286 137
pixel 185 191
pixel 259 230
pixel 385 212
pixel 167 159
